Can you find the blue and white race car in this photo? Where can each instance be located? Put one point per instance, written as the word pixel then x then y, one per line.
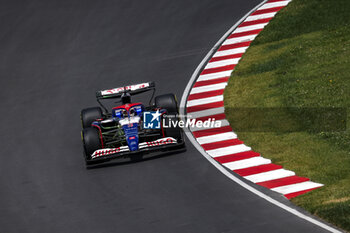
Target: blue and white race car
pixel 131 129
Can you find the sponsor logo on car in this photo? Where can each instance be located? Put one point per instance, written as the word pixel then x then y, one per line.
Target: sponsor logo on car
pixel 160 142
pixel 126 88
pixel 108 151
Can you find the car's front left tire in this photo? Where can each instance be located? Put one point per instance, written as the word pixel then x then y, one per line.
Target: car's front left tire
pixel 91 142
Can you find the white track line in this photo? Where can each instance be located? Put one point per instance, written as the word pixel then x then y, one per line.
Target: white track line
pixel 261 16
pixel 216 138
pixel 292 188
pixel 239 39
pixel 245 163
pixel 245 185
pixel 270 175
pixel 207 88
pixel 226 62
pixel 208 100
pixel 205 77
pixel 228 150
pixel 230 52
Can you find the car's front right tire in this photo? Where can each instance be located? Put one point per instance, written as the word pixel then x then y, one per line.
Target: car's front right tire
pixel 168 102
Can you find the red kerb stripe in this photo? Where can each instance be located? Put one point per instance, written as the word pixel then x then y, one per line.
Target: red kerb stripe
pixel 220 116
pixel 205 106
pixel 205 94
pixel 234 46
pixel 283 181
pixel 259 21
pixel 237 156
pixel 226 143
pixel 291 195
pixel 247 33
pixel 210 82
pixel 275 1
pixel 233 56
pixel 258 169
pixel 218 69
pixel 269 10
pixel 208 132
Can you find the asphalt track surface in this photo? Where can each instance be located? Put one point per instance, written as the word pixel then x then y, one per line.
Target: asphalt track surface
pixel 54 55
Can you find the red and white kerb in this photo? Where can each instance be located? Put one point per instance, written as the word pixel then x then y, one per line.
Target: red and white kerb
pixel 205 101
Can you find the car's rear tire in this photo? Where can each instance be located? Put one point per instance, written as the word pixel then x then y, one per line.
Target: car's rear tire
pixel 91 142
pixel 89 115
pixel 168 102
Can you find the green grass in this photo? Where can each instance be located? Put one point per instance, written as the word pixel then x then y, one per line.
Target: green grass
pixel 302 59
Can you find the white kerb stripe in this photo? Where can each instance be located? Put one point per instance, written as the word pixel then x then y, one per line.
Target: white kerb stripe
pixel 221 74
pixel 228 150
pixel 221 123
pixel 261 16
pixel 208 112
pixel 239 39
pixel 216 138
pixel 226 62
pixel 213 87
pixel 230 52
pixel 292 188
pixel 208 100
pixel 250 28
pixel 273 4
pixel 270 175
pixel 245 163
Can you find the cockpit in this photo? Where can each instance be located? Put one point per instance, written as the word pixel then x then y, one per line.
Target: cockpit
pixel 128 110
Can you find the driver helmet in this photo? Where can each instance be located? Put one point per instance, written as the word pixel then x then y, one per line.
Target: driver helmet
pixel 125 113
pixel 132 112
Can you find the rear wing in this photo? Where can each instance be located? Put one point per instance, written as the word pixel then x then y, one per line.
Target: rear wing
pixel 132 90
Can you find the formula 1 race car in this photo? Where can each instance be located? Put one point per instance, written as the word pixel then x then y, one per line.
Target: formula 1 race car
pixel 131 129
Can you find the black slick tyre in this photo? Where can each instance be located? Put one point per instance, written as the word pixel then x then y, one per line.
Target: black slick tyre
pixel 168 102
pixel 89 115
pixel 91 142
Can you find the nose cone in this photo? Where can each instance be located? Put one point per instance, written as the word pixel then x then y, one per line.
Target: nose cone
pixel 132 135
pixel 131 131
pixel 133 142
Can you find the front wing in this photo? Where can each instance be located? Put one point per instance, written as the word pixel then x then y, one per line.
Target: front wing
pixel 123 151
